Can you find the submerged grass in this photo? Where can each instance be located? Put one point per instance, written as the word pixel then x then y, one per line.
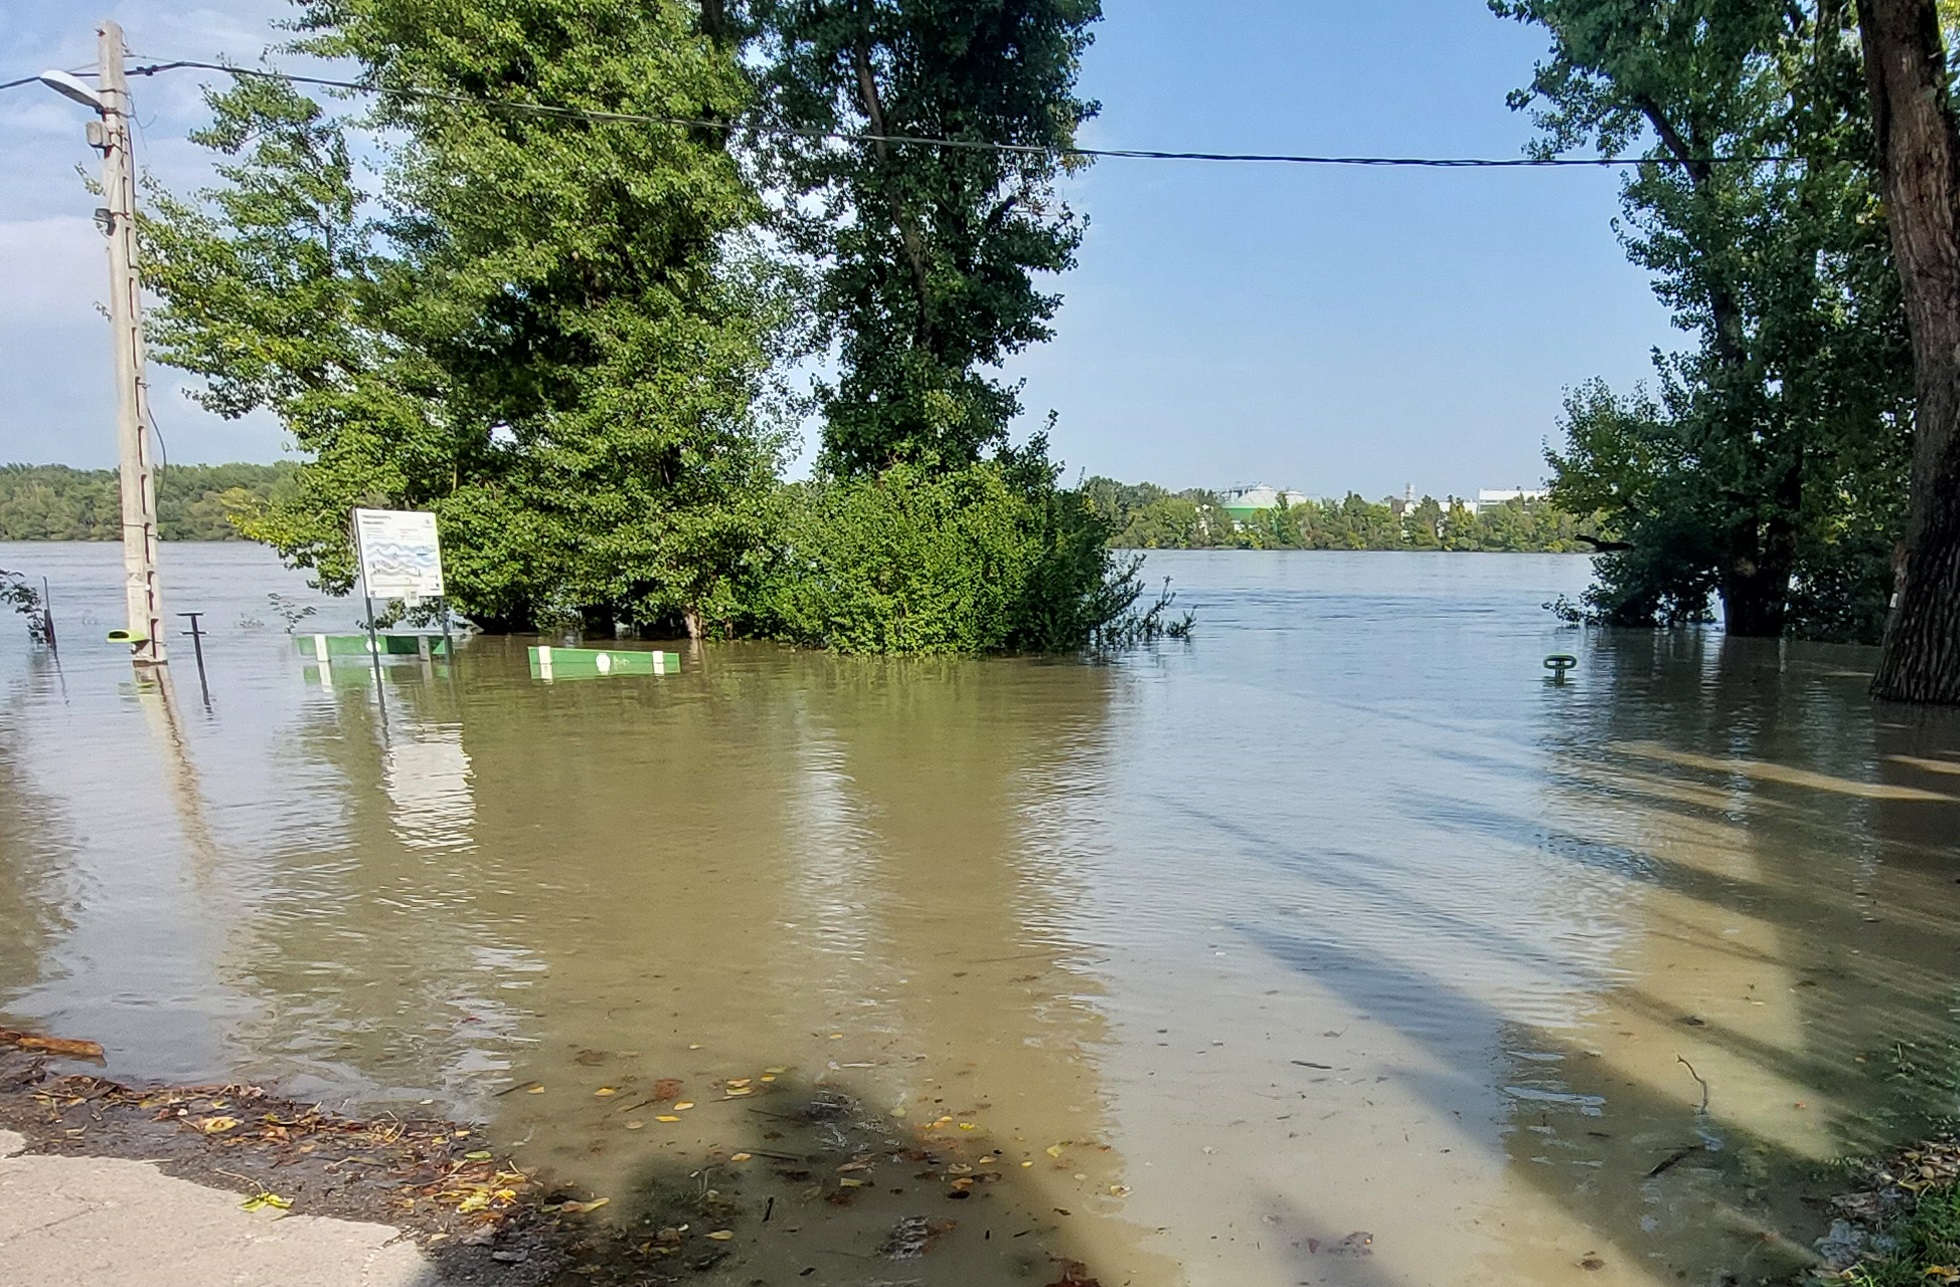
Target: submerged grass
pixel 1920 1245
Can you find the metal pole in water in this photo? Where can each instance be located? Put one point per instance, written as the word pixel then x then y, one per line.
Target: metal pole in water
pixel 47 617
pixel 196 632
pixel 374 656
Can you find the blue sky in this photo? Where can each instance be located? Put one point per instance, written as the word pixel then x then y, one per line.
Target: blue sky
pixel 1319 329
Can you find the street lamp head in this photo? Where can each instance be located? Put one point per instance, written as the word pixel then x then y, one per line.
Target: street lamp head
pixel 68 87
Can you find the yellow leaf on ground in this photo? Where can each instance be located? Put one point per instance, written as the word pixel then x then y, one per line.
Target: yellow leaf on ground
pixel 1053 1150
pixel 666 1117
pixel 684 1104
pixel 535 1090
pixel 739 1157
pixel 605 1090
pixel 481 1155
pixel 634 1126
pixel 216 1125
pixel 722 1235
pixel 260 1201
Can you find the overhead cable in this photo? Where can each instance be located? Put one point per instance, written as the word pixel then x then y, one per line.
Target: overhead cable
pixel 1058 151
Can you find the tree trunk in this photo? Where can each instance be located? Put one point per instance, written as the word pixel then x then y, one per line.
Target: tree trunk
pixel 909 235
pixel 1755 584
pixel 1919 159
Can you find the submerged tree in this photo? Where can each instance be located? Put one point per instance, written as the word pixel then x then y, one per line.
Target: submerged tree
pixel 1769 469
pixel 926 255
pixel 546 334
pixel 1919 143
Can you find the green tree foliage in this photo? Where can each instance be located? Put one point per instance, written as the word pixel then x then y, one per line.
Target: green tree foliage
pixel 1143 516
pixel 547 333
pixel 980 559
pixel 1770 468
pixel 194 502
pixel 926 256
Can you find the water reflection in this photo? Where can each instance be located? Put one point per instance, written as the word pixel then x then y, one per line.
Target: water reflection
pixel 36 850
pixel 1787 960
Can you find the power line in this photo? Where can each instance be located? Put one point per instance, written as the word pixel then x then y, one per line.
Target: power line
pixel 1058 151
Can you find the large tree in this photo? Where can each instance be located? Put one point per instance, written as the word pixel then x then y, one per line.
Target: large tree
pixel 544 334
pixel 927 255
pixel 1767 470
pixel 1919 146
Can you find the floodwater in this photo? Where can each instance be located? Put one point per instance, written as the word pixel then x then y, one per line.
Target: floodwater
pixel 1334 946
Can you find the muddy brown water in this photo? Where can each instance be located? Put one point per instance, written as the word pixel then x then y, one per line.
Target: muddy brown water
pixel 1335 946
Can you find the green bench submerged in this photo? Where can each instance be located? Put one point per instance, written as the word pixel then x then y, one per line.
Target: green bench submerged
pixel 585 663
pixel 332 648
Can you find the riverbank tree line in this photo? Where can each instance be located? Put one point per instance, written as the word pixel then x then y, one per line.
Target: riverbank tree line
pixel 194 502
pixel 1144 516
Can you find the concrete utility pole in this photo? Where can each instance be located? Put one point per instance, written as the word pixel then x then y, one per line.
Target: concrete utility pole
pixel 111 136
pixel 139 488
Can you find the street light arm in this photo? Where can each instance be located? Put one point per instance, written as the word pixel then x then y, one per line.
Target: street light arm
pixel 68 87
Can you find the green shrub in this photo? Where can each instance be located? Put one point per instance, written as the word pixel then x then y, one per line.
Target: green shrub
pixel 989 558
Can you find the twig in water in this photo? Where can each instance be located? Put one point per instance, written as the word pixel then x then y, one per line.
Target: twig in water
pixel 1698 1080
pixel 522 1085
pixel 1673 1159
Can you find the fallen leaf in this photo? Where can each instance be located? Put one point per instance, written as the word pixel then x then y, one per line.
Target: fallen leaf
pixel 666 1117
pixel 603 1091
pixel 634 1126
pixel 1053 1150
pixel 259 1201
pixel 535 1090
pixel 580 1208
pixel 739 1157
pixel 776 1072
pixel 481 1155
pixel 722 1235
pixel 1074 1274
pixel 216 1125
pixel 683 1105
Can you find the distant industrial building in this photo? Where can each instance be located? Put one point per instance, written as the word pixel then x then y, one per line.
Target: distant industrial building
pixel 1243 503
pixel 1488 496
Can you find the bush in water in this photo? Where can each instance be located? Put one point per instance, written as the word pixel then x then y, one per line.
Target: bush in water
pixel 988 558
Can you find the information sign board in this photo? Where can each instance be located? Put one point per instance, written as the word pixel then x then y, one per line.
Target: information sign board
pixel 399 555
